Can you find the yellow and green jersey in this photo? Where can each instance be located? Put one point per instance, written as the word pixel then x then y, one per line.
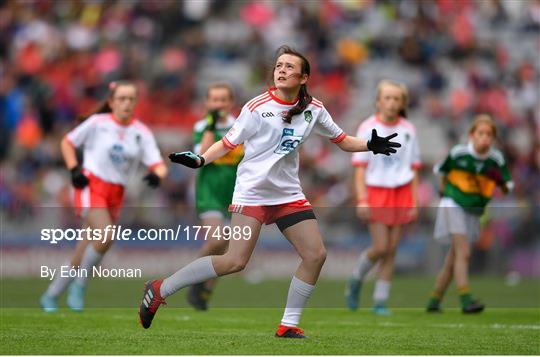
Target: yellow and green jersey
pixel 467 181
pixel 215 181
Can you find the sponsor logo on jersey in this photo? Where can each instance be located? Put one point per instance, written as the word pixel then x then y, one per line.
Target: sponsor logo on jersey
pixel 267 115
pixel 308 116
pixel 118 155
pixel 288 142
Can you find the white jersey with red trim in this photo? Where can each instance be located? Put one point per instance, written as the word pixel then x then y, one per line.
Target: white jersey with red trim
pixel 268 173
pixel 394 170
pixel 112 149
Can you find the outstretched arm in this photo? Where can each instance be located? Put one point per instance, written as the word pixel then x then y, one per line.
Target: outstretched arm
pixel 377 144
pixel 353 144
pixel 190 159
pixel 214 152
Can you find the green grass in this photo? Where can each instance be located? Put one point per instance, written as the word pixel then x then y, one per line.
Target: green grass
pixel 246 321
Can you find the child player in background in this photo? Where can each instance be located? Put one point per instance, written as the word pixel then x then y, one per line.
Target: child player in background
pixel 215 182
pixel 470 174
pixel 114 142
pixel 386 190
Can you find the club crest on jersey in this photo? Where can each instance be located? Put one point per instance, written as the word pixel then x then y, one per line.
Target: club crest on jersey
pixel 288 142
pixel 308 116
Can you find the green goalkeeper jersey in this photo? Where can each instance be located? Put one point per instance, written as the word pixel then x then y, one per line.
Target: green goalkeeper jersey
pixel 469 176
pixel 215 181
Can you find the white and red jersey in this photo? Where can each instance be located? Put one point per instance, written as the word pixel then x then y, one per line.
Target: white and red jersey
pixel 112 149
pixel 268 173
pixel 394 170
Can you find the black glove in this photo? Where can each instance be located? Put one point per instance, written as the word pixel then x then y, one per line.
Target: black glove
pixel 187 158
pixel 211 119
pixel 382 145
pixel 152 179
pixel 78 179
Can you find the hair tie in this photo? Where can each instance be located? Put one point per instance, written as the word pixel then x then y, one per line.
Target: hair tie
pixel 112 85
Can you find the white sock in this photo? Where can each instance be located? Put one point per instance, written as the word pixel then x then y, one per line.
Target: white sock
pixel 363 266
pixel 91 258
pixel 299 293
pixel 59 283
pixel 195 272
pixel 382 291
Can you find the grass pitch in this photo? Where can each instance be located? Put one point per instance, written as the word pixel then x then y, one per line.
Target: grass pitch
pixel 510 325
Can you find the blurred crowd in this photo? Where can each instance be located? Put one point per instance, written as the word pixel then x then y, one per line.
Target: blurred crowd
pixel 458 58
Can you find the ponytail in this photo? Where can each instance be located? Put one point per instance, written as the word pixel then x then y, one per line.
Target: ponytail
pixel 303 101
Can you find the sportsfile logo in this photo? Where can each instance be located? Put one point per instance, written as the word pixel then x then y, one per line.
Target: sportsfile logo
pixel 288 142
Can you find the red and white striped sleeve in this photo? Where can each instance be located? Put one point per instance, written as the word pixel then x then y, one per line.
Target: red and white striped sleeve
pixel 325 126
pixel 244 127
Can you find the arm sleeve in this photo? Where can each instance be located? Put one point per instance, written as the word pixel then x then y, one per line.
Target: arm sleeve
pixel 244 127
pixel 82 133
pixel 151 155
pixel 325 126
pixel 362 158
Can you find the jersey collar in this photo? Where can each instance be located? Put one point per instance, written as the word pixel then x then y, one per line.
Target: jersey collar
pixel 385 123
pixel 280 101
pixel 475 154
pixel 122 123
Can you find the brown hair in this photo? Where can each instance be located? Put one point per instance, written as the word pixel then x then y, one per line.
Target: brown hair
pixel 221 85
pixel 404 94
pixel 483 119
pixel 303 96
pixel 104 106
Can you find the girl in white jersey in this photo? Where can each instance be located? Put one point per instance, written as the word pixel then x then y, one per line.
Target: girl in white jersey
pixel 271 127
pixel 113 143
pixel 386 190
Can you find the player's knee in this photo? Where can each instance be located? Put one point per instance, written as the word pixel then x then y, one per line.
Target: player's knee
pixel 379 252
pixel 237 265
pixel 316 257
pixel 463 254
pixel 391 251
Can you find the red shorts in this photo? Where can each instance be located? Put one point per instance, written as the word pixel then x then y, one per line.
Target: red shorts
pixel 98 194
pixel 269 214
pixel 391 206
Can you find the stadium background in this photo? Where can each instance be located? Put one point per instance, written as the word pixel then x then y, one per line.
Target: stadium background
pixel 458 58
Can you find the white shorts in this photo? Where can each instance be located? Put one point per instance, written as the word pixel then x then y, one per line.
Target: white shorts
pixel 453 219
